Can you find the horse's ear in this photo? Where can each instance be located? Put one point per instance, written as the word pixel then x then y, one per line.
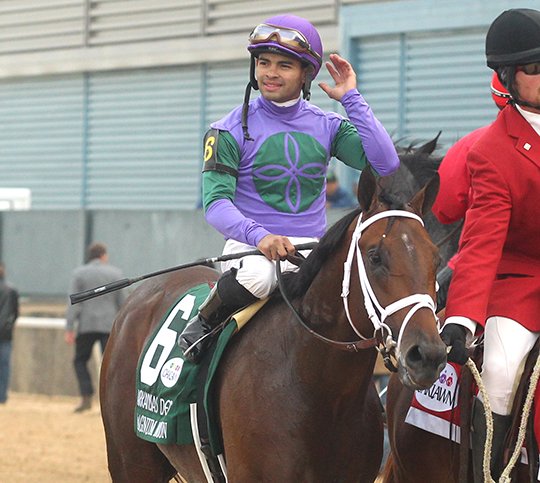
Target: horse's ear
pixel 367 186
pixel 430 146
pixel 424 199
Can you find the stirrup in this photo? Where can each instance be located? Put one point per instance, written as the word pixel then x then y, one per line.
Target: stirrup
pixel 195 352
pixel 200 341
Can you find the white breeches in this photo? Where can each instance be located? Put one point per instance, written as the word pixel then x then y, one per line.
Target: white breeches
pixel 506 346
pixel 256 273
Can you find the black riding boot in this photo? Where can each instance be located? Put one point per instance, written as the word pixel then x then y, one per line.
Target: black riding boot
pixel 200 326
pixel 501 425
pixel 226 297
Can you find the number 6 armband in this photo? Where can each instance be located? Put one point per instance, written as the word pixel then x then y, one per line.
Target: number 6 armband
pixel 211 162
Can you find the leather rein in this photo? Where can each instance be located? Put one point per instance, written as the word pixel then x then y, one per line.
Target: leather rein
pixel 387 346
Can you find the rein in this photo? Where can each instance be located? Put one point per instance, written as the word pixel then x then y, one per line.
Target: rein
pixel 353 346
pixel 389 346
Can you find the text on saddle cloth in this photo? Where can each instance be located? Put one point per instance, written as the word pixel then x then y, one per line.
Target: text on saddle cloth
pixel 166 384
pixel 437 411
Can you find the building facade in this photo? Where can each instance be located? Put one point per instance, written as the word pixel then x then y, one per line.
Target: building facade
pixel 104 103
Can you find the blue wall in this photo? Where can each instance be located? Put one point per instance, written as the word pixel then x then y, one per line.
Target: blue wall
pixel 421 64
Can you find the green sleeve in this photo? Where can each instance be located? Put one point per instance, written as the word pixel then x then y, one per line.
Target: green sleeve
pixel 221 162
pixel 347 146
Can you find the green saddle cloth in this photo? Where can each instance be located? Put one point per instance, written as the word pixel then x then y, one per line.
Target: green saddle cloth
pixel 167 384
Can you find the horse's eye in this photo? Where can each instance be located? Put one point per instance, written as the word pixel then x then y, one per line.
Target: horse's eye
pixel 374 257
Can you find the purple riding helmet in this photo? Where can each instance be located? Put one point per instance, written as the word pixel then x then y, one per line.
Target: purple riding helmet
pixel 288 35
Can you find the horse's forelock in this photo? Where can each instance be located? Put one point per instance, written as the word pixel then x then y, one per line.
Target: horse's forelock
pixel 392 200
pixel 416 169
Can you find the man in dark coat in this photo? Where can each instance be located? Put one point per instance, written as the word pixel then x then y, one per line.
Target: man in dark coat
pixel 9 311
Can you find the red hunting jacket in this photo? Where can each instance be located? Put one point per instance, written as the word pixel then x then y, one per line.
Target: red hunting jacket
pixel 455 193
pixel 498 270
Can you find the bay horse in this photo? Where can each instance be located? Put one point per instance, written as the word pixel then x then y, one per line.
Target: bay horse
pixel 294 406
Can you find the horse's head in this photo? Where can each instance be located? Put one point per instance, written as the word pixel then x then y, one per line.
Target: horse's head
pixel 397 264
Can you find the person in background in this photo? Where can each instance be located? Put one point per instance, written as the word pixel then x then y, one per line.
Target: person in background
pixel 336 196
pixel 265 164
pixel 496 283
pixel 455 195
pixel 9 311
pixel 91 321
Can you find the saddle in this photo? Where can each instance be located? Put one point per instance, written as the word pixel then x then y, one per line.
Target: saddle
pixel 466 392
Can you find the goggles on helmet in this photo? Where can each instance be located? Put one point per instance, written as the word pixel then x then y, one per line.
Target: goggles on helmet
pixel 529 69
pixel 290 38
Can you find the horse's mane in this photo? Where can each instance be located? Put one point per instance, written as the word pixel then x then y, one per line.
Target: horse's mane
pixel 296 283
pixel 418 164
pixel 422 166
pixel 417 167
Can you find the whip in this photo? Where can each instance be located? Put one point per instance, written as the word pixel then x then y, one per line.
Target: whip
pixel 126 282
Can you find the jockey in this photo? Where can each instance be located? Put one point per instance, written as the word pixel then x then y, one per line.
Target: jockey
pixel 496 283
pixel 265 164
pixel 455 194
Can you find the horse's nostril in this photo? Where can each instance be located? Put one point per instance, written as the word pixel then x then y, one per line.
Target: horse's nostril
pixel 426 355
pixel 414 355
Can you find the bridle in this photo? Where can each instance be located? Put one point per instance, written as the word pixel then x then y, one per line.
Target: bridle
pixel 385 343
pixel 376 312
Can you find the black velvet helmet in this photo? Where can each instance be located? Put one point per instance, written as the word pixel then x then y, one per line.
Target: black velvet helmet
pixel 514 38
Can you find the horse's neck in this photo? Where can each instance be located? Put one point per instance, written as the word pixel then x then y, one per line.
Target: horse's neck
pixel 322 301
pixel 324 310
pixel 325 307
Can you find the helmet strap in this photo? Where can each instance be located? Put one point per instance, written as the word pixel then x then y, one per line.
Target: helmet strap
pixel 245 106
pixel 252 78
pixel 245 110
pixel 306 88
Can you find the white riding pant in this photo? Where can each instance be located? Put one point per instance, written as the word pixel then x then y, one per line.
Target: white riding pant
pixel 256 273
pixel 506 346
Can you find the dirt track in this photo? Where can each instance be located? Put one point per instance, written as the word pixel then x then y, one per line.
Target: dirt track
pixel 43 440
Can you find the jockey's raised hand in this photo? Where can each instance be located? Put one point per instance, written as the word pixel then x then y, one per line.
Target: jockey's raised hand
pixel 343 75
